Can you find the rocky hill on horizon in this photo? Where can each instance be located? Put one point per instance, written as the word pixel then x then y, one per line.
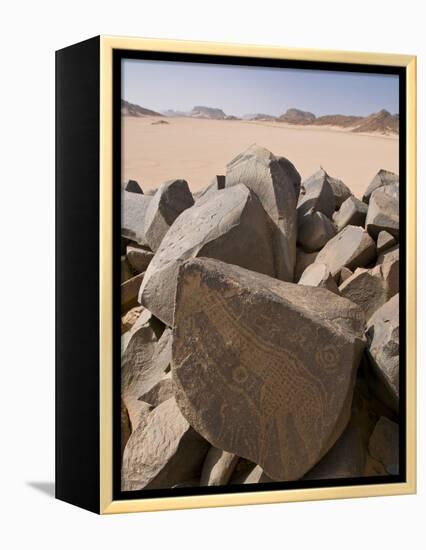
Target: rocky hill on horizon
pixel 297 116
pixel 201 111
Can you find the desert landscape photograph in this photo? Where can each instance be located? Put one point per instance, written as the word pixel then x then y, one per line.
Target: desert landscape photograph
pixel 260 299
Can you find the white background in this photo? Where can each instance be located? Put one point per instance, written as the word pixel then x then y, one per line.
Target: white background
pixel 29 33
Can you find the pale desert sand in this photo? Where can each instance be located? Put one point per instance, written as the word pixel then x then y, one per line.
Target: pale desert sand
pixel 198 149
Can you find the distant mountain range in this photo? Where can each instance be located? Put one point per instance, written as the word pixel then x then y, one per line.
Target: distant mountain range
pixel 382 122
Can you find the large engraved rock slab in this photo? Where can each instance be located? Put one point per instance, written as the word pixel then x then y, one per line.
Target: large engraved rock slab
pixel 276 182
pixel 232 226
pixel 262 368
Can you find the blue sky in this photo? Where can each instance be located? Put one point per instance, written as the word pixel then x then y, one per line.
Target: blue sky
pixel 161 85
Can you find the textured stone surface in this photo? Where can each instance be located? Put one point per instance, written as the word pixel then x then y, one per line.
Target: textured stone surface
pixel 144 361
pixel 139 258
pixel 126 270
pixel 319 275
pixel 216 185
pixel 129 292
pixel 163 451
pixel 382 178
pixel 366 288
pixel 383 214
pixel 387 267
pixel 314 231
pixel 279 398
pixel 232 226
pixel 133 212
pixel 130 318
pixel 349 457
pixel 303 259
pixel 276 182
pixel 352 212
pixel 145 317
pixel 132 186
pixel 125 429
pixel 392 190
pixel 170 200
pixel 383 346
pixel 351 248
pixel 341 191
pixel 345 273
pixel 218 467
pixel 385 241
pixel 390 255
pixel 384 445
pixel 160 392
pixel 389 270
pixel 317 195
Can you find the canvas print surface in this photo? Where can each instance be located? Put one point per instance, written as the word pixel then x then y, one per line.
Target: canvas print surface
pixel 259 276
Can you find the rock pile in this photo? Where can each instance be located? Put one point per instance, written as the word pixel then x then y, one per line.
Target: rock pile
pixel 260 328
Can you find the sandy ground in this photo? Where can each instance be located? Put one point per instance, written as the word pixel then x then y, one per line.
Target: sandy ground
pixel 197 149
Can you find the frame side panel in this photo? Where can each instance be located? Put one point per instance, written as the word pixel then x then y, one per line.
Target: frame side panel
pixel 77 274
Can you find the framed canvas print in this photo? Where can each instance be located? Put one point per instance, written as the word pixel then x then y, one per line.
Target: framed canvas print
pixel 235 290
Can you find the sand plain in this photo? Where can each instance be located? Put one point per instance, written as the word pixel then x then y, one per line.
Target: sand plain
pixel 198 149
